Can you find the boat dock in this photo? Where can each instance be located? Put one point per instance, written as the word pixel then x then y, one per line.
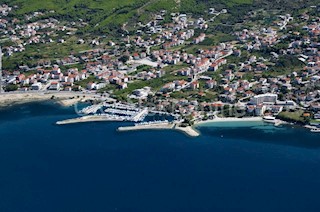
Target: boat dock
pixel 91 118
pixel 117 111
pixel 92 109
pixel 160 125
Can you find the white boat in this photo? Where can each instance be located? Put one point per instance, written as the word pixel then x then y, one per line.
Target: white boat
pixel 316 130
pixel 269 119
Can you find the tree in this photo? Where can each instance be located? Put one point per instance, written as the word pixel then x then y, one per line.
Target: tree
pixel 188 121
pixel 124 58
pixel 11 87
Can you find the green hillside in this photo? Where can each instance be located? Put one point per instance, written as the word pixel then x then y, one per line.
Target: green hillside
pixel 110 6
pixel 107 15
pixel 111 13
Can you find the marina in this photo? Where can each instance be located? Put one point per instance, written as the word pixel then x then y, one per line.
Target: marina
pixel 117 111
pixel 92 109
pixel 152 123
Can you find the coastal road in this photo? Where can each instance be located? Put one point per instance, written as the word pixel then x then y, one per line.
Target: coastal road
pixel 12 97
pixel 66 93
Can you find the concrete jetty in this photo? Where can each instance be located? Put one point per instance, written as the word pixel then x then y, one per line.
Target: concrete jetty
pixel 93 118
pixel 161 126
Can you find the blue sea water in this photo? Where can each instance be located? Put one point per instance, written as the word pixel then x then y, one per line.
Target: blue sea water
pixel 92 167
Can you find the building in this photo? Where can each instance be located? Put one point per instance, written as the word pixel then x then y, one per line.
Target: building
pixel 264 99
pixel 123 85
pixel 141 93
pixel 259 110
pixel 36 86
pixel 211 83
pixel 91 86
pixel 54 86
pixel 194 85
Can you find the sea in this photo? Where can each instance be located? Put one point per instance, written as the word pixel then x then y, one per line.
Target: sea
pixel 239 166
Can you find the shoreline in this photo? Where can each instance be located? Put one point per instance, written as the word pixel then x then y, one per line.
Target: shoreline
pixel 231 119
pixel 67 99
pixel 64 99
pixel 276 122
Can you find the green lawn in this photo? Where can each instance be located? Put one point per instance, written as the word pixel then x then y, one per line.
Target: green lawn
pixel 173 68
pixel 295 116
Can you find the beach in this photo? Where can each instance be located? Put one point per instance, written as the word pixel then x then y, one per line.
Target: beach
pixel 231 119
pixel 64 98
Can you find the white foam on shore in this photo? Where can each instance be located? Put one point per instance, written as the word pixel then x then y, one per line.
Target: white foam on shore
pixel 250 120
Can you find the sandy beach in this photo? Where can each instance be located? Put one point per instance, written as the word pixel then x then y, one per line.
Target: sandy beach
pixel 231 119
pixel 64 98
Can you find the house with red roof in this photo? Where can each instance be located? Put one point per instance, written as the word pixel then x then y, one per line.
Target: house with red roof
pixel 194 85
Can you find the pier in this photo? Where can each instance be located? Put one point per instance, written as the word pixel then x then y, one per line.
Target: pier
pixel 91 118
pixel 161 125
pixel 91 109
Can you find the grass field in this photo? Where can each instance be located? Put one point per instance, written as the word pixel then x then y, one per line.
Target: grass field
pixel 295 116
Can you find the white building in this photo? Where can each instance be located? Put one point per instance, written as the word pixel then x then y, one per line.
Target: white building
pixel 36 86
pixel 264 99
pixel 259 110
pixel 141 93
pixel 91 86
pixel 54 86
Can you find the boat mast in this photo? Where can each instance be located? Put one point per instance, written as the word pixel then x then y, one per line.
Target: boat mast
pixel 1 88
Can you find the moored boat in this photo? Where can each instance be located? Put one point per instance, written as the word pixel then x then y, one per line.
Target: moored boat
pixel 316 130
pixel 269 119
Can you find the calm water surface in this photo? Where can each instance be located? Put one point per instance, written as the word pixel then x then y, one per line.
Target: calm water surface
pixel 91 167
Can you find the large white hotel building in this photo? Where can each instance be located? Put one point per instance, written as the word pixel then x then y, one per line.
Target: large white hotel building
pixel 264 99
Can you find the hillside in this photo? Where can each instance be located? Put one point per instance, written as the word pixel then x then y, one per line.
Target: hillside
pixel 107 15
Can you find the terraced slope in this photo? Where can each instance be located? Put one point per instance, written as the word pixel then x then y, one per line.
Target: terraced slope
pixel 109 14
